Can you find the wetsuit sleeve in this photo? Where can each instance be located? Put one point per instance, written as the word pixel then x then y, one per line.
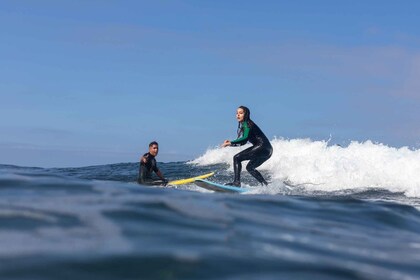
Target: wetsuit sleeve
pixel 146 155
pixel 244 138
pixel 154 166
pixel 142 171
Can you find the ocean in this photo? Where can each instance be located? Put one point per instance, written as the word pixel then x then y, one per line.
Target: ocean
pixel 352 213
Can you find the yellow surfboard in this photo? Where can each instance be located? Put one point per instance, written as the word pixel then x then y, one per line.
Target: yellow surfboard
pixel 190 180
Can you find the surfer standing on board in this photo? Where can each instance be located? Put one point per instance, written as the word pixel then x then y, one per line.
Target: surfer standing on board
pixel 148 164
pixel 257 154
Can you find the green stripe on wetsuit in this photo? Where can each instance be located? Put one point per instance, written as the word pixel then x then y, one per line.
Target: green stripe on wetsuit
pixel 245 134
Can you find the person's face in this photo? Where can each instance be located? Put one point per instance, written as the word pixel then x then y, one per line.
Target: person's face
pixel 240 114
pixel 153 150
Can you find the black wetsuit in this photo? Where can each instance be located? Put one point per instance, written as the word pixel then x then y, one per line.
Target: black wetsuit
pixel 260 151
pixel 146 169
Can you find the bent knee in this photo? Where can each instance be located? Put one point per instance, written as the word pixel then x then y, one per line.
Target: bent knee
pixel 250 168
pixel 237 158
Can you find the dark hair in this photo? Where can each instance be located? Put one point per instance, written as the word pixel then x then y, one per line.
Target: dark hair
pixel 153 143
pixel 247 118
pixel 247 113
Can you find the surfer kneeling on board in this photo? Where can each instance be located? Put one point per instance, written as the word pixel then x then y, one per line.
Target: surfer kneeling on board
pixel 257 154
pixel 148 165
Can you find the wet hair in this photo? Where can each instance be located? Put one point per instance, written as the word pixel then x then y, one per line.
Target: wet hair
pixel 247 118
pixel 153 143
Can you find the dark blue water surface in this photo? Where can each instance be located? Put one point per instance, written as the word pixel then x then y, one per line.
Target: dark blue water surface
pixel 97 223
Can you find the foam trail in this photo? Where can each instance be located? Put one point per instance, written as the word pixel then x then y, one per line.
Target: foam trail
pixel 319 166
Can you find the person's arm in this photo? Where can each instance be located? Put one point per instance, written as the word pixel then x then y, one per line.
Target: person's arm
pixel 144 159
pixel 158 172
pixel 142 175
pixel 160 175
pixel 244 138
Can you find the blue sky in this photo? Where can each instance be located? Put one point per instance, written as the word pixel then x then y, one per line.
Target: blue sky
pixel 93 82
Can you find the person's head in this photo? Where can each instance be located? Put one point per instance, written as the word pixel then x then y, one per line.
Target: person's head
pixel 243 114
pixel 153 148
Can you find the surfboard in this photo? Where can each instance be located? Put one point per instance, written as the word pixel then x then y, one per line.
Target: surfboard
pixel 190 180
pixel 219 187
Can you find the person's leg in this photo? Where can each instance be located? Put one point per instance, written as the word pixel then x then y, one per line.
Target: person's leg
pixel 237 165
pixel 259 158
pixel 254 163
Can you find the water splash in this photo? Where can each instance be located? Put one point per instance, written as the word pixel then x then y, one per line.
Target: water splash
pixel 318 166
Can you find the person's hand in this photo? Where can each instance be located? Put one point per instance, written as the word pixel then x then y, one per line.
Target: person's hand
pixel 225 143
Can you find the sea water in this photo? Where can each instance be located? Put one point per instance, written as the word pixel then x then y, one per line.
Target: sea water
pixel 347 213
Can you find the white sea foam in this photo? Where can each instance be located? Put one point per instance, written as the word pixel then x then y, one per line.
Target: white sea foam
pixel 320 166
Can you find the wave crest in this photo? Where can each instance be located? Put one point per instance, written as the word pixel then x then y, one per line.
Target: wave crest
pixel 323 167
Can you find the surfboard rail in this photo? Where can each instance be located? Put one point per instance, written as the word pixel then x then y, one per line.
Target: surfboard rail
pixel 219 187
pixel 190 180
